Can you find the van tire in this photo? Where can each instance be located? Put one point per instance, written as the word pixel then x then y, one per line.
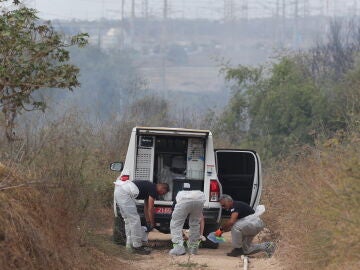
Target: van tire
pixel 119 235
pixel 209 244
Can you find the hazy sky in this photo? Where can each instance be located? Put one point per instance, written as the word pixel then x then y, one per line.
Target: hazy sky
pixel 111 9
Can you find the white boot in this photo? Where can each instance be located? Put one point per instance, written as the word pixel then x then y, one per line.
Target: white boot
pixel 129 248
pixel 193 247
pixel 145 234
pixel 177 250
pixel 193 250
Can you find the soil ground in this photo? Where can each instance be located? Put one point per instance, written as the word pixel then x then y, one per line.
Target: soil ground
pixel 209 259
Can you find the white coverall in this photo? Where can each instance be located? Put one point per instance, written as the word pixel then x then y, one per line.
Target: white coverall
pixel 125 194
pixel 244 231
pixel 188 203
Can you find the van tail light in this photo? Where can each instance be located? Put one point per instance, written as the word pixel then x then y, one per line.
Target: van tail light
pixel 125 177
pixel 214 191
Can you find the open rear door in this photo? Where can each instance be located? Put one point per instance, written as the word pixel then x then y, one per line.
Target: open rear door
pixel 239 172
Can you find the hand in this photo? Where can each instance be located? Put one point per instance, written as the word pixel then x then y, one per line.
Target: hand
pixel 218 232
pixel 149 227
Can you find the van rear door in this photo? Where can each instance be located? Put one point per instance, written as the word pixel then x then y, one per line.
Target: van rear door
pixel 239 172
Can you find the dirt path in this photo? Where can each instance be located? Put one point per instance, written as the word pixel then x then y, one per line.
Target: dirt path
pixel 209 259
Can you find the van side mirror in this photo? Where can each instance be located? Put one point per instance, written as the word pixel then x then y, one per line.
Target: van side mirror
pixel 117 166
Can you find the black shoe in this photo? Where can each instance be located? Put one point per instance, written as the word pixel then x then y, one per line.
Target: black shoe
pixel 141 250
pixel 270 249
pixel 236 252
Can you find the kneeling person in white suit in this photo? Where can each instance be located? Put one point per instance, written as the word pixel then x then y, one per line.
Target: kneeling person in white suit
pixel 244 224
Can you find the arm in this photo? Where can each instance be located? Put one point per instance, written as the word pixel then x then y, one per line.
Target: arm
pixel 146 211
pixel 202 225
pixel 228 225
pixel 150 211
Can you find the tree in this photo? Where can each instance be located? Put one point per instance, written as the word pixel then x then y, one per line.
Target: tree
pixel 291 109
pixel 33 56
pixel 275 109
pixel 233 123
pixel 346 101
pixel 149 110
pixel 331 60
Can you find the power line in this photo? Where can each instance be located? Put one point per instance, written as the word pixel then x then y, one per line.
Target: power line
pixel 212 9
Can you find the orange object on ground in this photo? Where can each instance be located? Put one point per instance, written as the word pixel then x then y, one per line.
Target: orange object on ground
pixel 218 232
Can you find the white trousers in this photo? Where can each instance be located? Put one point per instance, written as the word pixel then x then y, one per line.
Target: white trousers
pixel 243 233
pixel 125 194
pixel 188 203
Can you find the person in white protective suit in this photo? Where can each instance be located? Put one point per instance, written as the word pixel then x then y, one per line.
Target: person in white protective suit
pixel 189 203
pixel 125 194
pixel 245 224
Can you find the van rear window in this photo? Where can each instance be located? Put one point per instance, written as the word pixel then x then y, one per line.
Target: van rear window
pixel 236 163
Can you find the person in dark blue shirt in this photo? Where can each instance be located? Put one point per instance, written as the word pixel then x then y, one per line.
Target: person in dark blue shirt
pixel 125 194
pixel 244 224
pixel 149 192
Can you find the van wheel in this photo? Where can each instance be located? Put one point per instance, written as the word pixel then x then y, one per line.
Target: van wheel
pixel 119 235
pixel 208 244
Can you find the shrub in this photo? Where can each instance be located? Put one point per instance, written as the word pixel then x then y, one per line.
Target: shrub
pixel 316 200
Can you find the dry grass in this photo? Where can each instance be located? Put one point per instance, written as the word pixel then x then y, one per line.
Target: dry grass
pixel 36 232
pixel 316 202
pixel 50 191
pixel 42 227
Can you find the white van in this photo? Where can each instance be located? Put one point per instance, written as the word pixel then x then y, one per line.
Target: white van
pixel 178 155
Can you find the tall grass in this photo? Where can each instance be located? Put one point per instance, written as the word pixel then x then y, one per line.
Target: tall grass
pixel 314 203
pixel 54 186
pixel 39 229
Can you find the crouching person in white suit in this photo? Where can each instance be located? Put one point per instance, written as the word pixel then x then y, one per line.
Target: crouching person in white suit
pixel 189 203
pixel 244 224
pixel 126 193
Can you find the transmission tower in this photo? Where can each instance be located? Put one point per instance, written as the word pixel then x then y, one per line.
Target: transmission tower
pixel 165 10
pixel 244 10
pixel 306 8
pixel 327 8
pixel 132 22
pixel 122 10
pixel 296 25
pixel 229 10
pixel 145 8
pixel 335 8
pixel 132 9
pixel 283 21
pixel 163 45
pixel 355 8
pixel 278 33
pixel 283 10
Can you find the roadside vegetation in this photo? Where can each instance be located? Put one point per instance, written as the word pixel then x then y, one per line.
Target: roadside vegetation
pixel 313 205
pixel 300 112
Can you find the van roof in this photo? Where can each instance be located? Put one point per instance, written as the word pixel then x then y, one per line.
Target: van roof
pixel 168 130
